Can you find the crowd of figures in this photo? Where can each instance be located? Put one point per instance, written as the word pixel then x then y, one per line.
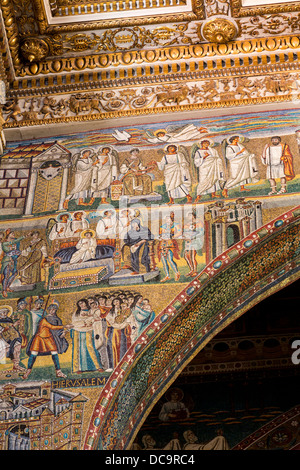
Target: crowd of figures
pixel 135 237
pixel 105 326
pixel 217 168
pixel 102 328
pixel 25 256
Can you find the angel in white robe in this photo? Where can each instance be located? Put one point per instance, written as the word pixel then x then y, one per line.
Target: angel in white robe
pixel 174 134
pixel 60 228
pixel 78 224
pixel 107 225
pixel 121 136
pixel 177 175
pixel 4 347
pixel 85 248
pixel 243 167
pixel 124 225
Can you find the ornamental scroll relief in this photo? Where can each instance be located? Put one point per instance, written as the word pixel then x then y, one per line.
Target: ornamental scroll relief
pixel 147 37
pixel 35 110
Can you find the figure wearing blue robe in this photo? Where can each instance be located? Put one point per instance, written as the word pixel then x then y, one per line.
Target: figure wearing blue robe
pixel 137 238
pixel 9 268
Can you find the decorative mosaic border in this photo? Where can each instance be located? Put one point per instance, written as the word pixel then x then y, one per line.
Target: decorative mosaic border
pixel 210 330
pixel 134 363
pixel 267 428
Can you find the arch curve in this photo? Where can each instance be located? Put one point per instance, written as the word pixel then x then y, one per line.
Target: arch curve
pixel 249 271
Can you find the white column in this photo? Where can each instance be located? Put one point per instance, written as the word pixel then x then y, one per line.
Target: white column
pixel 64 184
pixel 31 191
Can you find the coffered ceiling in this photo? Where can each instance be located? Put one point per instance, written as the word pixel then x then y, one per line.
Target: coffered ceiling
pixel 76 60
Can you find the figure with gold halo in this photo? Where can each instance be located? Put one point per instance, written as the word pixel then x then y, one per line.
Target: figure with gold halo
pixel 278 159
pixel 104 173
pixel 59 228
pixel 242 164
pixel 83 165
pixel 176 169
pixel 134 175
pixel 174 134
pixel 85 248
pixel 210 168
pixel 78 224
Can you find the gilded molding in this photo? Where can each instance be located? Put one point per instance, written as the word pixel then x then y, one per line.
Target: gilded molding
pixel 238 10
pixel 121 22
pixel 151 99
pixel 105 82
pixel 197 13
pixel 90 63
pixel 12 32
pixel 72 8
pixel 189 41
pixel 123 39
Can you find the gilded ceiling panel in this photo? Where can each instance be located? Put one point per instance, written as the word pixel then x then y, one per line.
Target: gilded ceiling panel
pixel 60 48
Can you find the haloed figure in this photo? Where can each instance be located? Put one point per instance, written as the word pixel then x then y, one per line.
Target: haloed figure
pixel 210 170
pixel 176 174
pixel 279 162
pixel 104 173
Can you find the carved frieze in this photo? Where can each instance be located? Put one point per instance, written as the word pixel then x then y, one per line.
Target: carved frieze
pixel 124 101
pixel 127 62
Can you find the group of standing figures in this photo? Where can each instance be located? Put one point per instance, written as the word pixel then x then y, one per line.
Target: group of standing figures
pixel 241 166
pixel 102 328
pixel 233 167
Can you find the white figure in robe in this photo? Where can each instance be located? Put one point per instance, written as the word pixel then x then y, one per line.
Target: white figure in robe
pixel 107 226
pixel 83 164
pixel 104 173
pixel 78 224
pixel 60 228
pixel 242 165
pixel 210 168
pixel 175 134
pixel 85 248
pixel 177 175
pixel 192 443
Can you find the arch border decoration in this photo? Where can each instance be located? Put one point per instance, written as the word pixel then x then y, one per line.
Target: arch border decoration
pixel 249 271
